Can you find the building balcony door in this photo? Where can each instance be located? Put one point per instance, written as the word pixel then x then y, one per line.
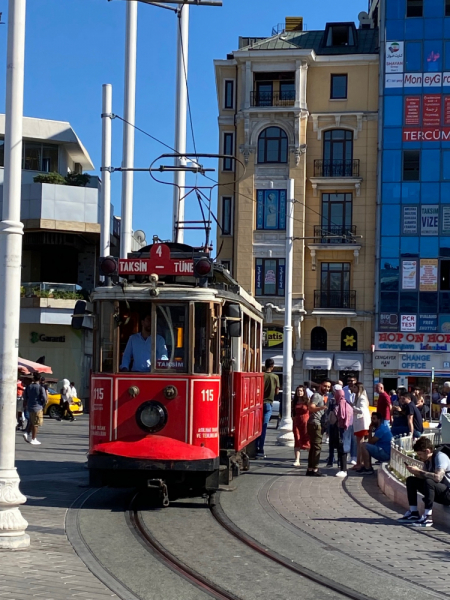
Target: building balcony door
pixel 335 287
pixel 337 217
pixel 338 153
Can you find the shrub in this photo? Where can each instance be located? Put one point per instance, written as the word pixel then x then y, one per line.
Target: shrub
pixel 55 178
pixel 78 179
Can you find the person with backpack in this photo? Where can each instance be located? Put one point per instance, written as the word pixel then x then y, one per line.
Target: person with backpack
pixel 35 399
pixel 433 481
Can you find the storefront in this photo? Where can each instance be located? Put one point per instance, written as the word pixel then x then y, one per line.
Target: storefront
pixel 411 359
pixel 273 338
pixel 318 366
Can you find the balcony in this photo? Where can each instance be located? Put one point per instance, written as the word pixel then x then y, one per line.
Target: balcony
pixel 262 99
pixel 334 234
pixel 337 299
pixel 336 168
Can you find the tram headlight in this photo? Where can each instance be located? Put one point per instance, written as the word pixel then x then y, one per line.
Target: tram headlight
pixel 151 416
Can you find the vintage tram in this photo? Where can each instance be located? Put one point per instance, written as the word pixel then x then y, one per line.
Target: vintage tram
pixel 176 389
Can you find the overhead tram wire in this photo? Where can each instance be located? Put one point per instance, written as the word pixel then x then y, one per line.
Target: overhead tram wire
pixel 213 180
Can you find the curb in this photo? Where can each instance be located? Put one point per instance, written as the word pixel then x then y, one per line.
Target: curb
pixel 395 490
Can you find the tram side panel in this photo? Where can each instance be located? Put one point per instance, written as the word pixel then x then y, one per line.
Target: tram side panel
pixel 101 417
pixel 248 408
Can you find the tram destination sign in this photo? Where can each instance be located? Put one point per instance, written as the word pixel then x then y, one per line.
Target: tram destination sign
pixel 159 263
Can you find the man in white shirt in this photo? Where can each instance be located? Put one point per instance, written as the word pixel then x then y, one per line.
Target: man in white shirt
pixel 73 390
pixel 139 347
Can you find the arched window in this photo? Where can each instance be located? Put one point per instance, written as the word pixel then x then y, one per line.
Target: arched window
pixel 338 153
pixel 319 338
pixel 273 146
pixel 349 340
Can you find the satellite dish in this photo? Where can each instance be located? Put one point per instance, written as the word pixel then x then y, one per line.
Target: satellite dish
pixel 139 236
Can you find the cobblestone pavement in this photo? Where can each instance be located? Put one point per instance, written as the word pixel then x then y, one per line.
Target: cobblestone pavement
pixel 51 476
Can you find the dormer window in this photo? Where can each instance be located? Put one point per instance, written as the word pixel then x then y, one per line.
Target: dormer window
pixel 340 34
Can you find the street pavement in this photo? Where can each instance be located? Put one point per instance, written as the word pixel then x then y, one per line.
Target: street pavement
pixel 344 529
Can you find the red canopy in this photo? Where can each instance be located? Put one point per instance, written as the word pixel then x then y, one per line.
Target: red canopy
pixel 28 366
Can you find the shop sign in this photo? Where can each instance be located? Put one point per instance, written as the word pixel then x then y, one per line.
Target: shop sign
pixel 36 337
pixel 428 275
pixel 388 322
pixel 395 57
pixel 273 337
pixel 432 110
pixel 394 80
pixel 390 374
pixel 446 219
pixel 429 219
pixel 415 362
pixel 428 323
pixel 409 274
pixel 385 360
pixel 410 220
pixel 408 322
pixel 412 342
pixel 444 323
pixel 412 110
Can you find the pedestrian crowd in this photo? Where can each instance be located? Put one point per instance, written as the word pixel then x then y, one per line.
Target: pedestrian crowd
pixel 31 404
pixel 339 416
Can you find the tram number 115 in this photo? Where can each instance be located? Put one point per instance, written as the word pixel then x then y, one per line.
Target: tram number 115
pixel 207 395
pixel 98 393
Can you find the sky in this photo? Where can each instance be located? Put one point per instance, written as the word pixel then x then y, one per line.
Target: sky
pixel 75 46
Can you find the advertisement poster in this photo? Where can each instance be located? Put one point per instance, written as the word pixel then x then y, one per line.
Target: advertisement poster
pixel 428 275
pixel 271 209
pixel 412 110
pixel 394 80
pixel 388 322
pixel 428 323
pixel 410 220
pixel 432 110
pixel 408 322
pixel 409 275
pixel 444 323
pixel 446 219
pixel 395 57
pixel 429 219
pixel 446 110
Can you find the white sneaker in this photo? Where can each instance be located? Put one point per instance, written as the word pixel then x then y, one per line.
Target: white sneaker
pixel 353 462
pixel 296 464
pixel 26 438
pixel 35 442
pixel 341 474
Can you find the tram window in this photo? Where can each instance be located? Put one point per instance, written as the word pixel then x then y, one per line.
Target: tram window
pixel 107 337
pixel 172 322
pixel 201 338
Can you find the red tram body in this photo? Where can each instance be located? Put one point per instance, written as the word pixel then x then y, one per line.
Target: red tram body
pixel 188 421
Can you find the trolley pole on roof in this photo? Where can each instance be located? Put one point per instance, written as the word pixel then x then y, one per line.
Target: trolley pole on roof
pixel 128 129
pixel 12 524
pixel 285 436
pixel 105 233
pixel 180 120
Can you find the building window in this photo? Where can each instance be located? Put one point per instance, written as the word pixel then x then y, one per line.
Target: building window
pixel 229 94
pixel 227 211
pixel 271 209
pixel 349 339
pixel 334 287
pixel 269 276
pixel 337 217
pixel 228 163
pixel 40 157
pixel 339 87
pixel 414 8
pixel 2 152
pixel 264 93
pixel 319 338
pixel 447 8
pixel 340 34
pixel 411 165
pixel 287 91
pixel 272 146
pixel 338 153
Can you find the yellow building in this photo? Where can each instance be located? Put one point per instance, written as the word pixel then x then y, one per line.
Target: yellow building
pixel 304 105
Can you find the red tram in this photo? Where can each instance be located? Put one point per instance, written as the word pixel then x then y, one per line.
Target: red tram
pixel 177 388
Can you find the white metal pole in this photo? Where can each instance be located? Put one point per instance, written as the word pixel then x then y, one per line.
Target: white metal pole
pixel 285 436
pixel 12 524
pixel 128 129
pixel 180 119
pixel 105 233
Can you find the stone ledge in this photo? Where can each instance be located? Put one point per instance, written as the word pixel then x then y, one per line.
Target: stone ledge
pixel 395 490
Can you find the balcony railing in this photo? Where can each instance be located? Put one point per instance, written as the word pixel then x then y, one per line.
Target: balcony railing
pixel 336 168
pixel 272 98
pixel 334 234
pixel 335 299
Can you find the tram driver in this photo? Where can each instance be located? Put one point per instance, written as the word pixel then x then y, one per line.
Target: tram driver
pixel 139 347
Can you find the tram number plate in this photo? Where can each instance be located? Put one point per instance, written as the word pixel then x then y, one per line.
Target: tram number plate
pixel 207 395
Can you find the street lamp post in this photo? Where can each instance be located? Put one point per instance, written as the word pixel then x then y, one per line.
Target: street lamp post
pixel 12 524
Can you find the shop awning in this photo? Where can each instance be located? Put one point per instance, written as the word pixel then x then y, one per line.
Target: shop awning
pixel 28 366
pixel 318 360
pixel 348 361
pixel 277 358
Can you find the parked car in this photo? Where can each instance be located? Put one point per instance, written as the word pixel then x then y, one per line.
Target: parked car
pixel 53 408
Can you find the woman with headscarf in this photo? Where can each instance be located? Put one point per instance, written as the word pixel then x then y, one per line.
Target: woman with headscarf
pixel 66 397
pixel 300 416
pixel 343 413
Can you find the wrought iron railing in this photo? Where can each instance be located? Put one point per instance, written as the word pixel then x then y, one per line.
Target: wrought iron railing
pixel 334 234
pixel 335 299
pixel 272 98
pixel 402 453
pixel 336 168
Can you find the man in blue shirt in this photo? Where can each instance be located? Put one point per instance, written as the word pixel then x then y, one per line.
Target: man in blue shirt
pixel 139 347
pixel 379 444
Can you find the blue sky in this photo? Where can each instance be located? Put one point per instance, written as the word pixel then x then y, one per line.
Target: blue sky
pixel 74 46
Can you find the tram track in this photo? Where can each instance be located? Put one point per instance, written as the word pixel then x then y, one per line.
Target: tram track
pixel 136 521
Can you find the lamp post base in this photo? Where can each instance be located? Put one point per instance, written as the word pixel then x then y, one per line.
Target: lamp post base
pixel 12 524
pixel 285 436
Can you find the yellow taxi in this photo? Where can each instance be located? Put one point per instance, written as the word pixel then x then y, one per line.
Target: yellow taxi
pixel 55 411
